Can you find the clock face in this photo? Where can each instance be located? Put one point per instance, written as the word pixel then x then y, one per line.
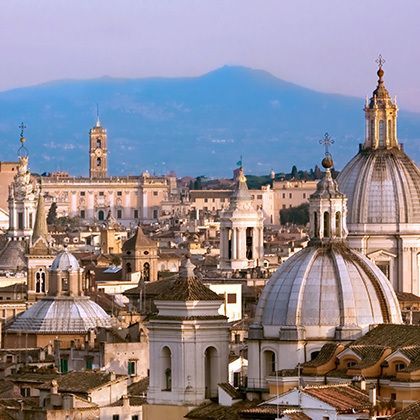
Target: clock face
pixel 98 152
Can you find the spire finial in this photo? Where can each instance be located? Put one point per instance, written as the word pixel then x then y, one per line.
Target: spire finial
pixel 98 121
pixel 327 141
pixel 380 61
pixel 22 151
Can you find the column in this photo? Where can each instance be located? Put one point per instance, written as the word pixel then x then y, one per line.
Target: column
pixel 234 244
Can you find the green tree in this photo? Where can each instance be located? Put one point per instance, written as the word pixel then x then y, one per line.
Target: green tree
pixel 52 214
pixel 295 215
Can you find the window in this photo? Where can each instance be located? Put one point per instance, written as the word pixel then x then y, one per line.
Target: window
pixel 206 200
pixel 131 367
pixel 136 214
pixel 89 363
pixel 119 193
pixel 98 162
pixel 64 365
pixel 20 220
pixel 30 220
pixel 155 192
pixel 351 363
pixel 259 196
pixel 119 214
pixel 399 366
pixel 284 195
pixel 155 214
pixel 115 417
pixel 98 142
pixel 290 195
pixel 381 133
pixel 283 206
pixel 237 338
pixel 65 284
pixel 326 224
pixel 304 195
pixel 166 360
pixel 82 193
pixel 222 200
pixel 135 417
pixel 25 392
pixel 82 214
pixel 236 379
pixel 101 193
pixel 231 298
pixel 128 267
pixel 101 215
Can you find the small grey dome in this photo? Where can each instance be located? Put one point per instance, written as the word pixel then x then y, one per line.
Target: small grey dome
pixel 320 288
pixel 62 315
pixel 65 261
pixel 382 187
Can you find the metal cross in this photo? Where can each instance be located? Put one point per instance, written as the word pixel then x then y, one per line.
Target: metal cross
pixel 327 141
pixel 380 61
pixel 22 127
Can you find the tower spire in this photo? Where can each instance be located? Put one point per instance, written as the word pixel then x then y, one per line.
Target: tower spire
pixel 98 121
pixel 40 227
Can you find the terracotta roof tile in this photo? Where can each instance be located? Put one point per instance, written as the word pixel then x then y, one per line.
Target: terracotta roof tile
pixel 325 354
pixel 188 289
pixel 412 412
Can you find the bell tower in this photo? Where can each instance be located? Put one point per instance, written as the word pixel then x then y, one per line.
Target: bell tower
pixel 98 159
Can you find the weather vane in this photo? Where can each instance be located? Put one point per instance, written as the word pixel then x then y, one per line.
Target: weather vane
pixel 380 61
pixel 327 141
pixel 22 128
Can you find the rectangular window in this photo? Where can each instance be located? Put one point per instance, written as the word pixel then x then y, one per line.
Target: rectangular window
pixel 290 195
pixel 136 214
pixel 206 200
pixel 119 193
pixel 64 284
pixel 135 417
pixel 101 193
pixel 82 214
pixel 259 196
pixel 131 367
pixel 89 363
pixel 115 417
pixel 119 214
pixel 304 195
pixel 284 195
pixel 231 298
pixel 155 193
pixel 82 193
pixel 155 214
pixel 20 220
pixel 64 365
pixel 30 219
pixel 25 392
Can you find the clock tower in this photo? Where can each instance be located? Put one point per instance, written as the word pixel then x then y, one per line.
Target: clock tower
pixel 98 151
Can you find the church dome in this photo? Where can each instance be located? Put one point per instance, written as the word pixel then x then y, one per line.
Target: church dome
pixel 53 315
pixel 322 287
pixel 65 261
pixel 382 187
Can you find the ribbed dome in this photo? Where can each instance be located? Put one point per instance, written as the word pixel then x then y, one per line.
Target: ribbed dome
pixel 61 315
pixel 65 261
pixel 382 187
pixel 327 287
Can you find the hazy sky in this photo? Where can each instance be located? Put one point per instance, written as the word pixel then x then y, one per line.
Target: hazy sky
pixel 326 45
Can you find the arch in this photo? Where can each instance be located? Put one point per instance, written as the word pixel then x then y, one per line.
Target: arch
pixel 146 271
pixel 99 142
pixel 101 215
pixel 268 362
pixel 399 365
pixel 381 133
pixel 316 225
pixel 98 161
pixel 128 267
pixel 40 281
pixel 338 225
pixel 326 224
pixel 211 377
pixel 249 243
pixel 166 364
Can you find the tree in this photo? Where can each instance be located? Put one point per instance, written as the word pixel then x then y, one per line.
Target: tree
pixel 295 215
pixel 52 214
pixel 294 172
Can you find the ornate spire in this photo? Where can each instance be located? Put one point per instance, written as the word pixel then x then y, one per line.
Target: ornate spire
pixel 22 151
pixel 98 121
pixel 241 196
pixel 327 205
pixel 40 227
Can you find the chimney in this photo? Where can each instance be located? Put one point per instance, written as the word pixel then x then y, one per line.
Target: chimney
pixel 126 401
pixel 54 387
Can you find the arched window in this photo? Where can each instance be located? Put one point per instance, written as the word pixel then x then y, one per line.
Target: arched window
pixel 166 359
pixel 351 363
pixel 314 354
pixel 399 366
pixel 326 224
pixel 381 133
pixel 338 227
pixel 98 142
pixel 316 225
pixel 98 161
pixel 249 253
pixel 128 267
pixel 101 215
pixel 211 372
pixel 38 282
pixel 389 131
pixel 372 131
pixel 269 362
pixel 146 271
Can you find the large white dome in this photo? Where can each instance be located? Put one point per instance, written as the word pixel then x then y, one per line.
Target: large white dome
pixel 383 188
pixel 324 287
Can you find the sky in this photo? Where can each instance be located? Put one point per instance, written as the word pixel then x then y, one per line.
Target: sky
pixel 329 46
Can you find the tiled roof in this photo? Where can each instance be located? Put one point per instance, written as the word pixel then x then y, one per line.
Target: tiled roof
pixel 83 382
pixel 12 256
pixel 391 335
pixel 269 411
pixel 138 388
pixel 230 390
pixel 188 289
pixel 138 240
pixel 412 412
pixel 213 411
pixel 404 296
pixel 325 354
pixel 369 355
pixel 344 398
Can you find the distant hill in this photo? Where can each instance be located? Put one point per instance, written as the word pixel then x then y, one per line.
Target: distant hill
pixel 195 126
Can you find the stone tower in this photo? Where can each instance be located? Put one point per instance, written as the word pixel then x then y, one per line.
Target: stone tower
pixel 241 230
pixel 139 257
pixel 189 341
pixel 98 151
pixel 22 201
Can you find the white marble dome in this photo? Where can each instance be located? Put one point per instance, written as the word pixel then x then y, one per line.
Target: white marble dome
pixel 53 315
pixel 383 188
pixel 65 261
pixel 324 287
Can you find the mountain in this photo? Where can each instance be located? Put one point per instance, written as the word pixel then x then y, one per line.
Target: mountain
pixel 197 126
